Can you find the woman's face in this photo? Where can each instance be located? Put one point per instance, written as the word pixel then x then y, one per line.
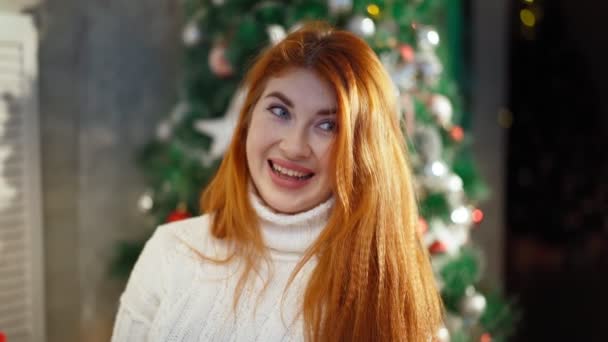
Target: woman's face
pixel 289 140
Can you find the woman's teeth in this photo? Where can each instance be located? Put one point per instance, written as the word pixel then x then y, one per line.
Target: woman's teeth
pixel 290 173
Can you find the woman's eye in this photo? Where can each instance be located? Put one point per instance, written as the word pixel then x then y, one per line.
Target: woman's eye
pixel 279 111
pixel 328 126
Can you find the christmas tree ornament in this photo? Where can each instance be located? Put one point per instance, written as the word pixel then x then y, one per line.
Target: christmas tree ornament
pixel 404 75
pixel 373 10
pixel 461 215
pixel 407 53
pixel 339 7
pixel 441 109
pixel 218 62
pixel 438 247
pixel 457 133
pixel 485 337
pixel 164 130
pixel 276 33
pixel 191 35
pixel 362 26
pixel 429 67
pixel 427 142
pixel 146 201
pixel 221 129
pixel 477 215
pixel 427 37
pixel 472 305
pixel 437 169
pixel 178 215
pixel 443 335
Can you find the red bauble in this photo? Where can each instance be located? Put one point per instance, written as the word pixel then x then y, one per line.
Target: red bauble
pixel 457 133
pixel 485 338
pixel 2 337
pixel 178 215
pixel 407 53
pixel 218 62
pixel 437 247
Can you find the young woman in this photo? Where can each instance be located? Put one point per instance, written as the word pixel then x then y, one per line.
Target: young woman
pixel 310 225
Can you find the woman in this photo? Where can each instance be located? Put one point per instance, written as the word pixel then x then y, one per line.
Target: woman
pixel 310 232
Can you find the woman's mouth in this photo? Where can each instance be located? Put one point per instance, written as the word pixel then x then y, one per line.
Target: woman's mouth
pixel 289 174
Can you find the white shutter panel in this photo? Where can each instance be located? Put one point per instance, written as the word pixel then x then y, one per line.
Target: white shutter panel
pixel 21 268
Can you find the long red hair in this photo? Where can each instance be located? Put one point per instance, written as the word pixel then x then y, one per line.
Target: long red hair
pixel 373 280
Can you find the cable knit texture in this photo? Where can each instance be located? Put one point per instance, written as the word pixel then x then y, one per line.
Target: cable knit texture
pixel 174 295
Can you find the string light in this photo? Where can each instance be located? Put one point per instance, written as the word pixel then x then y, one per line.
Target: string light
pixel 373 10
pixel 527 17
pixel 433 37
pixel 457 133
pixel 460 215
pixel 477 215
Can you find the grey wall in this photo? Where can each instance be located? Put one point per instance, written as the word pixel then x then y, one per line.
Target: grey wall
pixel 107 74
pixel 489 63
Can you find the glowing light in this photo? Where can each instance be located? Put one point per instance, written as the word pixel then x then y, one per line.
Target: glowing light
pixel 146 202
pixel 460 215
pixel 368 26
pixel 443 334
pixel 438 168
pixel 477 215
pixel 373 10
pixel 527 17
pixel 407 52
pixel 457 133
pixel 433 37
pixel 529 1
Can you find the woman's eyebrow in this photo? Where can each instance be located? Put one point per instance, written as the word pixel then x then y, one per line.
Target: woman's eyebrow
pixel 289 103
pixel 281 97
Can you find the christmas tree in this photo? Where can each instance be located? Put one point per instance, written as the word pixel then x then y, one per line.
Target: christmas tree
pixel 418 41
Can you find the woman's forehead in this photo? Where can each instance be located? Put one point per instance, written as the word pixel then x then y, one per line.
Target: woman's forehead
pixel 301 87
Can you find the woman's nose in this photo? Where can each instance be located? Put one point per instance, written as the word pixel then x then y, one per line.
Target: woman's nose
pixel 295 144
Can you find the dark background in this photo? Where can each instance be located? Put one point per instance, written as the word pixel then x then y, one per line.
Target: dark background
pixel 557 165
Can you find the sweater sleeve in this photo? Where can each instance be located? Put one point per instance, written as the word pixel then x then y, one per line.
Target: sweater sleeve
pixel 145 288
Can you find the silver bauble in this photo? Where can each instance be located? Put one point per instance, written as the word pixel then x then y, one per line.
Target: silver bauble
pixel 145 202
pixel 428 37
pixel 362 26
pixel 461 215
pixel 429 67
pixel 164 130
pixel 441 109
pixel 340 6
pixel 443 335
pixel 472 304
pixel 191 34
pixel 276 33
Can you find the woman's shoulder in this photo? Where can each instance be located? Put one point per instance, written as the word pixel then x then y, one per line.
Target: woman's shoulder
pixel 191 235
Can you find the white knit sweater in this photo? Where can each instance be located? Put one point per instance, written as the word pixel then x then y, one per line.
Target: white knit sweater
pixel 174 295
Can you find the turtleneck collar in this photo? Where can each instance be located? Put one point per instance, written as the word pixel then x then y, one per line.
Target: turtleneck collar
pixel 290 233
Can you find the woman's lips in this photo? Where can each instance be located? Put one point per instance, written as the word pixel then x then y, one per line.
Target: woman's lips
pixel 289 182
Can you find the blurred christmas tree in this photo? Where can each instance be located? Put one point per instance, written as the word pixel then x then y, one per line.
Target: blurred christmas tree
pixel 220 39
